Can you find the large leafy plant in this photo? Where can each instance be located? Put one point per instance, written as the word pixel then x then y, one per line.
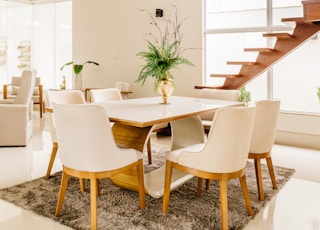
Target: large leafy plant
pixel 164 51
pixel 77 68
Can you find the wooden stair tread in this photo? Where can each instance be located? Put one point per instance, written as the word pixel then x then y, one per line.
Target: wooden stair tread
pixel 225 75
pixel 208 87
pixel 241 63
pixel 299 19
pixel 295 19
pixel 278 35
pixel 262 50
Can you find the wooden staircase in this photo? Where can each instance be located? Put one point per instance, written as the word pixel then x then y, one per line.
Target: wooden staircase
pixel 304 30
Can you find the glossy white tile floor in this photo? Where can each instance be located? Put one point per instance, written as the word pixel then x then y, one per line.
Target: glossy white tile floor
pixel 296 207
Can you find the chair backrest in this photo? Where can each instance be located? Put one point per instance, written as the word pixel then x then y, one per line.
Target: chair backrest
pixel 61 97
pixel 102 95
pixel 27 84
pixel 228 142
pixel 264 131
pixel 64 97
pixel 86 140
pixel 121 86
pixel 218 94
pixel 15 86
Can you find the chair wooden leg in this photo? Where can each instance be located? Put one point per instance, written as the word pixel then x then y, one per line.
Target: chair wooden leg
pixel 93 197
pixel 245 192
pixel 167 183
pixel 149 152
pixel 141 188
pixel 41 100
pixel 41 109
pixel 82 185
pixel 98 188
pixel 207 184
pixel 224 204
pixel 271 172
pixel 257 165
pixel 199 188
pixel 63 188
pixel 52 158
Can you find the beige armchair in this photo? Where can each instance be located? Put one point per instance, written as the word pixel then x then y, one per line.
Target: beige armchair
pixel 222 157
pixel 16 117
pixel 10 91
pixel 88 150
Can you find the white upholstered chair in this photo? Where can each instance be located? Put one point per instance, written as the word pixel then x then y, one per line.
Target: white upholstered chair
pixel 218 94
pixel 112 94
pixel 10 91
pixel 88 150
pixel 16 115
pixel 61 97
pixel 222 157
pixel 263 135
pixel 107 94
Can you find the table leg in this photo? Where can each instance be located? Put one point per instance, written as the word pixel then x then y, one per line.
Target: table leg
pixel 186 131
pixel 129 137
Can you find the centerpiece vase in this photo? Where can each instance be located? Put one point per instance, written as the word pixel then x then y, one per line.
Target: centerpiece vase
pixel 165 89
pixel 77 81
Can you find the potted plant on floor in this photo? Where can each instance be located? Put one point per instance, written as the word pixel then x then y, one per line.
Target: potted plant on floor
pixel 164 53
pixel 77 70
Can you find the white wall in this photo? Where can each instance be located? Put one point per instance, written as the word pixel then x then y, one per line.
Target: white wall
pixel 112 33
pixel 302 130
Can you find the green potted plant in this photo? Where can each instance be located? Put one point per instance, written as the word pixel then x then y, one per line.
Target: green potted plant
pixel 244 96
pixel 77 69
pixel 164 53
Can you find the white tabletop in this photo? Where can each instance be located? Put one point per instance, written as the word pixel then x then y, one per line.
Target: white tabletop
pixel 143 112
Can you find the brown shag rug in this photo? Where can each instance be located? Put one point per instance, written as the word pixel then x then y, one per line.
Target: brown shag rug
pixel 119 208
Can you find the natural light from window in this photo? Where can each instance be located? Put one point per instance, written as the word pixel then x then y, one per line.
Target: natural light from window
pixel 231 26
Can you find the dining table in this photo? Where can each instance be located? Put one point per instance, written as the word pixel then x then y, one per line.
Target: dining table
pixel 134 119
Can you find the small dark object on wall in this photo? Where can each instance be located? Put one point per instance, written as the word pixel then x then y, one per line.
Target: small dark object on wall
pixel 159 12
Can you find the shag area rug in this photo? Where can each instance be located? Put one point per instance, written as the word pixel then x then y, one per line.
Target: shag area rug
pixel 118 208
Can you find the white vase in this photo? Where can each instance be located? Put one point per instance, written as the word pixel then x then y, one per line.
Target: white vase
pixel 77 81
pixel 165 89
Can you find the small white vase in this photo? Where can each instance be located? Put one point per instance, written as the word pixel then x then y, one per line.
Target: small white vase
pixel 77 81
pixel 165 89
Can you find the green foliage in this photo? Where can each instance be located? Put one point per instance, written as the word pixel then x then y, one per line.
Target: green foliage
pixel 162 56
pixel 318 93
pixel 77 68
pixel 244 95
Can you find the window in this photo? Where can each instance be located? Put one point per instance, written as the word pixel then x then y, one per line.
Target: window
pixel 231 26
pixel 47 28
